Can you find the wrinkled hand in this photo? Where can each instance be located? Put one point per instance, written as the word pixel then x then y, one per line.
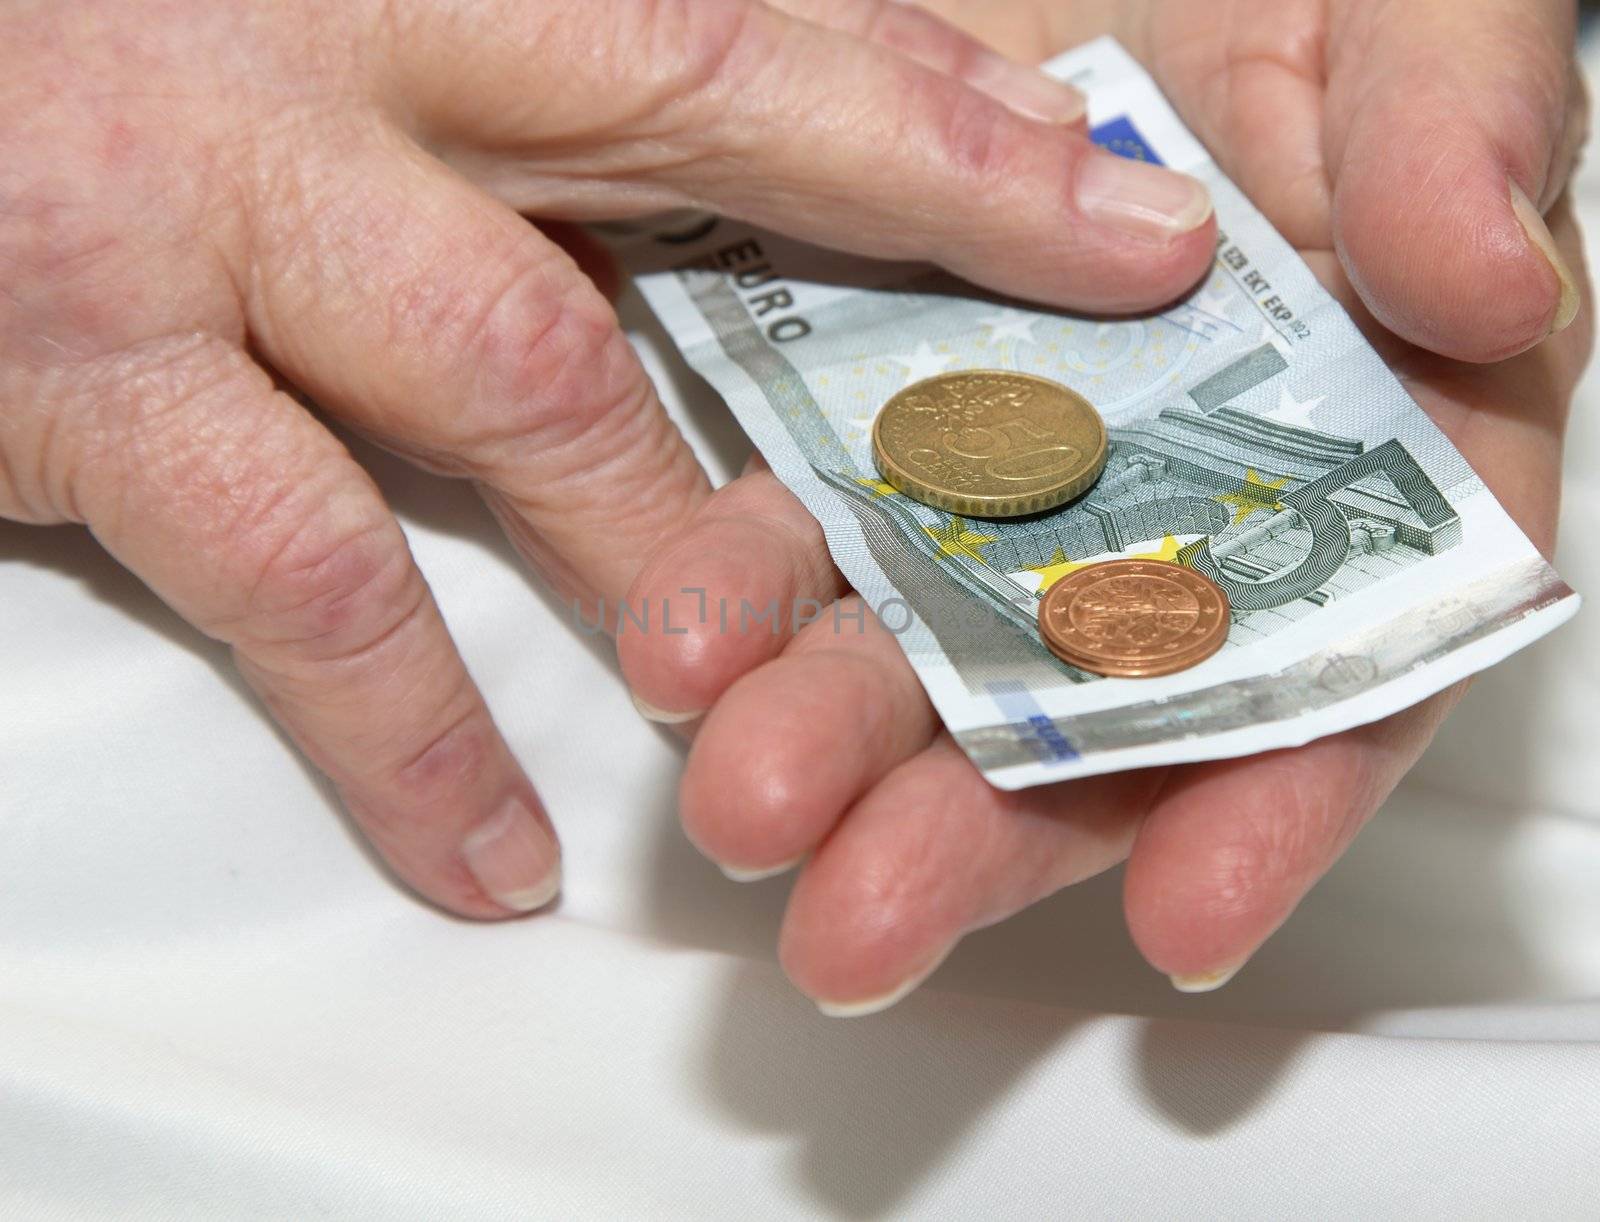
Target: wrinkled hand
pixel 1386 144
pixel 204 206
pixel 1418 140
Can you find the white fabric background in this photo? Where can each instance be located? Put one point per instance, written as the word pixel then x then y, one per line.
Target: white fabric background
pixel 212 1005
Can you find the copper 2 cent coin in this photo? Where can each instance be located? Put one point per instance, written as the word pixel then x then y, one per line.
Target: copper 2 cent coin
pixel 1134 619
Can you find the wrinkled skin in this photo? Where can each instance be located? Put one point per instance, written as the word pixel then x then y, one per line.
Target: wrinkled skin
pixel 1379 138
pixel 205 207
pixel 210 214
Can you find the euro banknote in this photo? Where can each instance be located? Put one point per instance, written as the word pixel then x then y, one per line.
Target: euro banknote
pixel 1254 436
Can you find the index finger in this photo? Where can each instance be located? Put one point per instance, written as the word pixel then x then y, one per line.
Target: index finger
pixel 828 137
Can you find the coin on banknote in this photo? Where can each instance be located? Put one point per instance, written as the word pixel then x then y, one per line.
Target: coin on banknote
pixel 988 443
pixel 1134 619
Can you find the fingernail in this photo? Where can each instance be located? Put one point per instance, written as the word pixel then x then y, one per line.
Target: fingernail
pixel 662 716
pixel 1029 92
pixel 1539 234
pixel 514 858
pixel 754 876
pixel 1207 982
pixel 1140 199
pixel 871 1005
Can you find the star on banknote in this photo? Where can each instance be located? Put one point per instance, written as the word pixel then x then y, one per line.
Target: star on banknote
pixel 923 363
pixel 1252 496
pixel 956 538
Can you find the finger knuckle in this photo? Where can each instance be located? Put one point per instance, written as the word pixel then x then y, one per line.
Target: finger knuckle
pixel 923 36
pixel 545 358
pixel 428 769
pixel 545 351
pixel 450 756
pixel 702 57
pixel 334 589
pixel 973 134
pixel 706 44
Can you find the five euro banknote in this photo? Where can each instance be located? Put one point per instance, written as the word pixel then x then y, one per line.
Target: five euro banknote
pixel 1254 436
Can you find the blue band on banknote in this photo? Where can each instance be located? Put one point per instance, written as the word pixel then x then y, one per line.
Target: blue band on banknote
pixel 1029 720
pixel 1121 137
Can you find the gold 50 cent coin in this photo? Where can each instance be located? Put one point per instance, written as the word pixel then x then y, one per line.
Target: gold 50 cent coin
pixel 987 443
pixel 1134 619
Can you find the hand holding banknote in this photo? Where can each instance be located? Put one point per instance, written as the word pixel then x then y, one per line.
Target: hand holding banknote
pixel 827 745
pixel 204 205
pixel 1384 133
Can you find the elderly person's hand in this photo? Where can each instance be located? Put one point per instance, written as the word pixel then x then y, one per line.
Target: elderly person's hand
pixel 1408 150
pixel 205 206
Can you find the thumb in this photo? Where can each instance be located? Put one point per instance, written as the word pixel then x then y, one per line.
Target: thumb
pixel 1452 125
